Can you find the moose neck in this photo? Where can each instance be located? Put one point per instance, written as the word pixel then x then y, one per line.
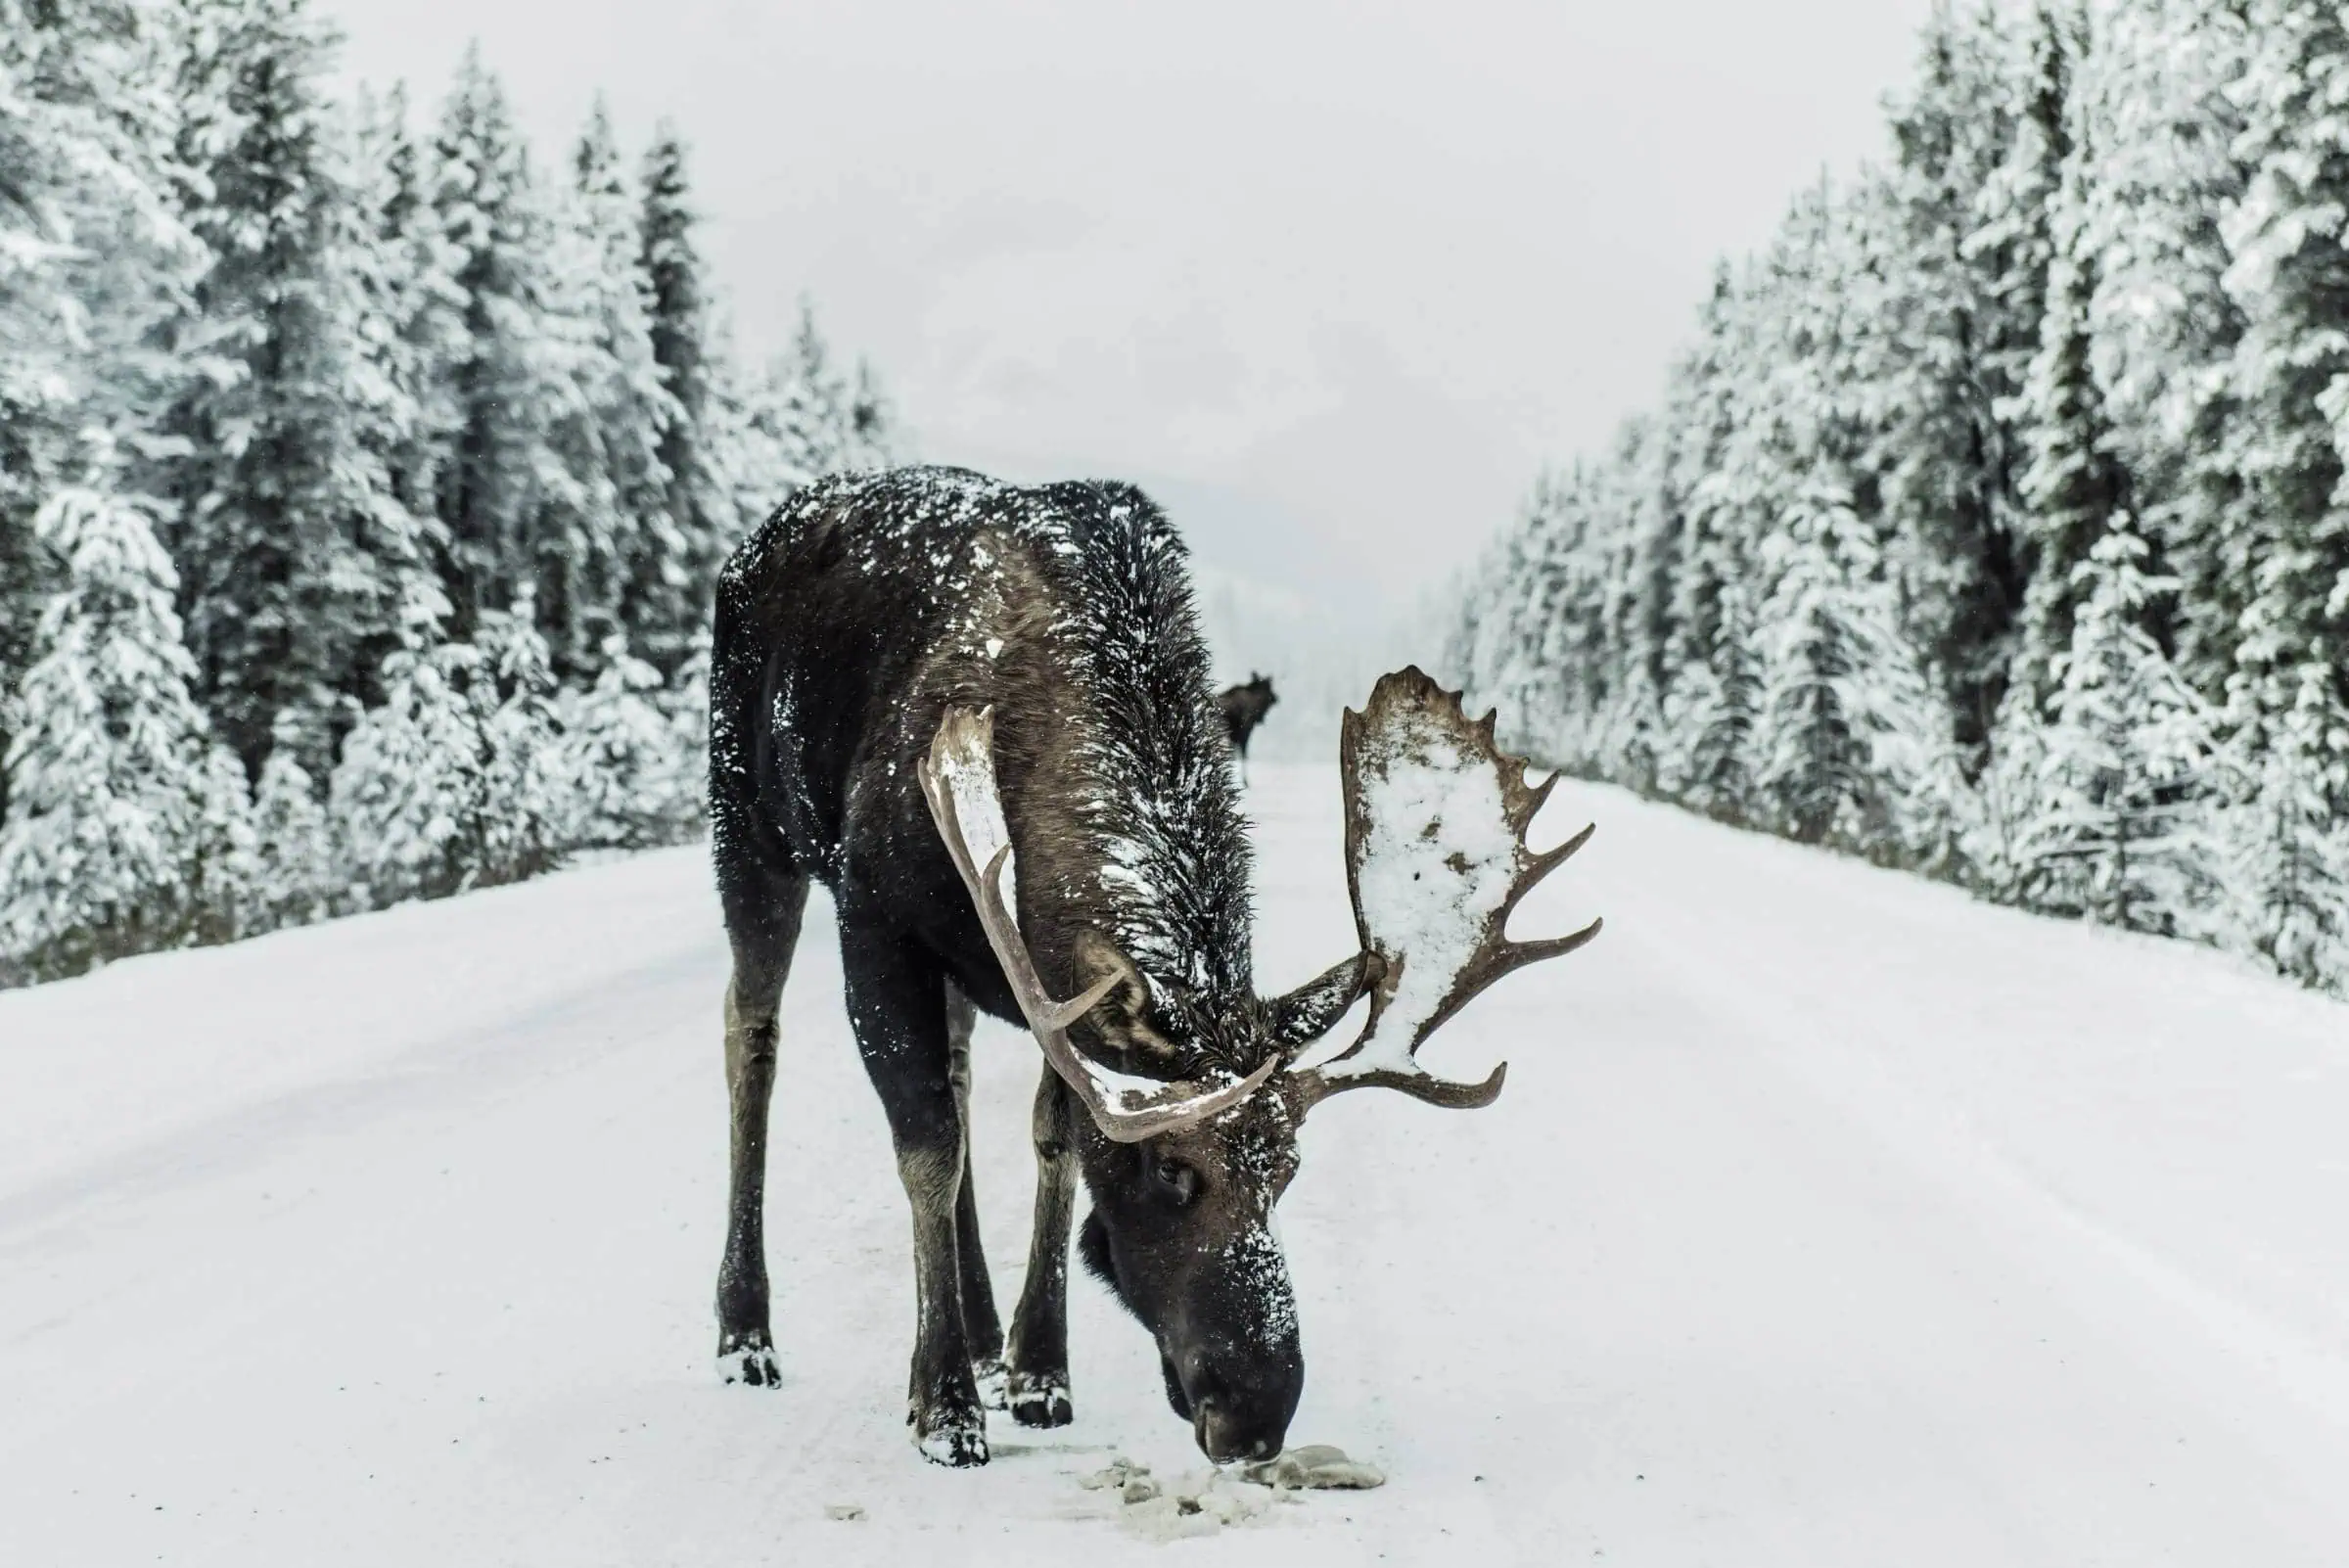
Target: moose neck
pixel 1141 839
pixel 1124 808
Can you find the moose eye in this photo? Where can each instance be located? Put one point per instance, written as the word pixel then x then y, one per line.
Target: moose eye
pixel 1175 1179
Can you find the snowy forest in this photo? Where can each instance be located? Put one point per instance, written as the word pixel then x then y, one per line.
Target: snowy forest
pixel 1995 524
pixel 363 476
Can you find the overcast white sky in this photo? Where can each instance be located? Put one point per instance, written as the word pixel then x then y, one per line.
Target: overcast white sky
pixel 1337 276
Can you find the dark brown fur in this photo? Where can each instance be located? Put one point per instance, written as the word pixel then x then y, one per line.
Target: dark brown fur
pixel 845 628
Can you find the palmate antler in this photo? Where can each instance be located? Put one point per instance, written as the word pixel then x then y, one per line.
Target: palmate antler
pixel 958 780
pixel 1436 862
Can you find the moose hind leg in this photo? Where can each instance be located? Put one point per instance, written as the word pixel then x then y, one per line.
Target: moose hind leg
pixel 981 1326
pixel 764 926
pixel 1038 1378
pixel 896 1001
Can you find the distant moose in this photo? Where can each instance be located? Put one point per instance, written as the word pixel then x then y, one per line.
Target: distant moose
pixel 980 715
pixel 1244 706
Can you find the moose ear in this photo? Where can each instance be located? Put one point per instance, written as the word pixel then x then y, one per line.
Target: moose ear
pixel 1314 1008
pixel 1098 959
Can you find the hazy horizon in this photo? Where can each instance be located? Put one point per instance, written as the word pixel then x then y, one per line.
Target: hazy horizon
pixel 1339 282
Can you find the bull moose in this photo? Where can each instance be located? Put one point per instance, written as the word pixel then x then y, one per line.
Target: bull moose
pixel 1243 708
pixel 980 715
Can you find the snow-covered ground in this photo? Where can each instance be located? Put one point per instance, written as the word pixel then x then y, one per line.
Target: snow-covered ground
pixel 1827 1218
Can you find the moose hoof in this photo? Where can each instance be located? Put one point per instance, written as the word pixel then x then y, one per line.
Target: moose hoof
pixel 748 1359
pixel 955 1442
pixel 1040 1400
pixel 992 1380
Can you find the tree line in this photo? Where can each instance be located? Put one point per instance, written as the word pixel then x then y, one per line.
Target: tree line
pixel 1995 525
pixel 362 481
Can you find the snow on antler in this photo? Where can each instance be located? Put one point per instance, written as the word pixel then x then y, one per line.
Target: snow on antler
pixel 1436 862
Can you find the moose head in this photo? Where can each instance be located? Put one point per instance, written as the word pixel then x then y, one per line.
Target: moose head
pixel 1194 1103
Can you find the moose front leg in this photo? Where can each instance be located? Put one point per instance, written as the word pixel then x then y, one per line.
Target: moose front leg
pixel 898 1004
pixel 1038 1381
pixel 980 1323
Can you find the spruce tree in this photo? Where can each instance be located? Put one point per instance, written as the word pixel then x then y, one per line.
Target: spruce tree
pixel 94 260
pixel 634 776
pixel 506 383
pixel 283 496
pixel 2126 773
pixel 2076 488
pixel 647 594
pixel 2290 275
pixel 698 446
pixel 291 882
pixel 129 828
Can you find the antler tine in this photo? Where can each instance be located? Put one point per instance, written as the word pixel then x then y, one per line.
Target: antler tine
pixel 1435 820
pixel 1545 863
pixel 1125 1115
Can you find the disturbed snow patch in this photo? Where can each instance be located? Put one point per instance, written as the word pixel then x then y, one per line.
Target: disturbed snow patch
pixel 1203 1502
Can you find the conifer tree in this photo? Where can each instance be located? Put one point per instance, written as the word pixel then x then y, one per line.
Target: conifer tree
pixel 703 506
pixel 283 492
pixel 290 880
pixel 2290 847
pixel 2125 785
pixel 2076 488
pixel 1945 332
pixel 2290 275
pixel 506 383
pixel 127 826
pixel 646 588
pixel 93 260
pixel 409 797
pixel 636 782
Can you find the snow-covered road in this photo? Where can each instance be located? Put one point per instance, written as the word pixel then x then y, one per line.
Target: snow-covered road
pixel 1828 1218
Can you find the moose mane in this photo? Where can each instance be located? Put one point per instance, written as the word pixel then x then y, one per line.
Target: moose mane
pixel 1162 806
pixel 1156 814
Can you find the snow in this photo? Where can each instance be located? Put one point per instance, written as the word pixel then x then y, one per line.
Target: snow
pixel 1831 1219
pixel 1438 826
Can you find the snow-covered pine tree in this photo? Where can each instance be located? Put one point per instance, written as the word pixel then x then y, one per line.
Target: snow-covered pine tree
pixel 531 792
pixel 1711 711
pixel 2162 327
pixel 809 402
pixel 2289 238
pixel 415 337
pixel 460 778
pixel 291 880
pixel 2289 869
pixel 874 438
pixel 511 377
pixel 2124 829
pixel 1943 335
pixel 128 826
pixel 701 449
pixel 634 774
pixel 1826 631
pixel 2075 488
pixel 93 260
pixel 1637 491
pixel 408 799
pixel 686 704
pixel 575 525
pixel 285 496
pixel 406 334
pixel 648 586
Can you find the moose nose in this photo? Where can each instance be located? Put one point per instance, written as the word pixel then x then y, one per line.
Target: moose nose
pixel 1227 1434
